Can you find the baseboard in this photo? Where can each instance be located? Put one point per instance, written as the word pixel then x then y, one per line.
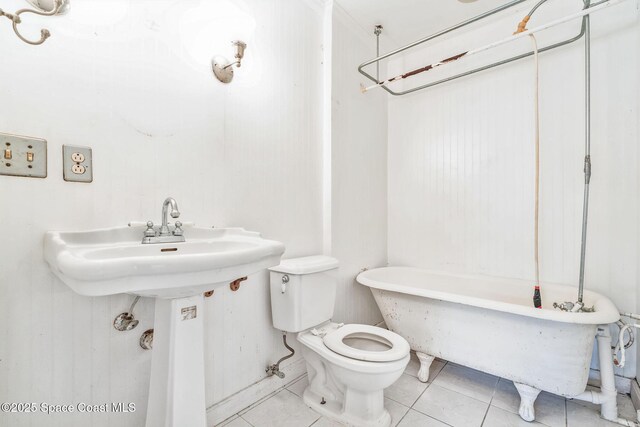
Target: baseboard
pixel 235 403
pixel 623 385
pixel 635 394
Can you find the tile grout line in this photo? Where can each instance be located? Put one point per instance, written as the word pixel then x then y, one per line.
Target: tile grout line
pixel 423 391
pixel 446 388
pixel 240 416
pixel 258 402
pixel 269 396
pixel 226 421
pixel 426 388
pixel 564 399
pixel 462 394
pixel 299 397
pixel 403 417
pixel 416 399
pixel 421 413
pixel 399 403
pixel 266 398
pixel 302 400
pixel 493 395
pixel 316 420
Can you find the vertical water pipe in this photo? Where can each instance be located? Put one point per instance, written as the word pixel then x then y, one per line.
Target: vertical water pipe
pixel 587 148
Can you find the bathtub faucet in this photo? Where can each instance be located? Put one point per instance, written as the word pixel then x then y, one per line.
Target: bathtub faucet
pixel 572 307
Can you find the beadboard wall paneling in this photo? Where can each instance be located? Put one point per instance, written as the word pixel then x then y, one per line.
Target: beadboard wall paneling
pixel 358 171
pixel 125 78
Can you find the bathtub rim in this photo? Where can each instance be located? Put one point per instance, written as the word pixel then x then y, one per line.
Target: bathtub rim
pixel 606 312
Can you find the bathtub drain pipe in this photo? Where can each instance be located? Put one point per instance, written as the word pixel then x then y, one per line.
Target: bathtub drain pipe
pixel 606 397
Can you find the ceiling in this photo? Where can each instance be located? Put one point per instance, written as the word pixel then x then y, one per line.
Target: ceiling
pixel 407 20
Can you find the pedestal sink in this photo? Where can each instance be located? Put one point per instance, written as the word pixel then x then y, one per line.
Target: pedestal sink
pixel 113 261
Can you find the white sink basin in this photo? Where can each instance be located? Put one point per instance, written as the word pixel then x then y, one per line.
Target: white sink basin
pixel 113 261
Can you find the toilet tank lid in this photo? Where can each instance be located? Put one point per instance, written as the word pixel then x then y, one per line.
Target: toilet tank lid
pixel 306 265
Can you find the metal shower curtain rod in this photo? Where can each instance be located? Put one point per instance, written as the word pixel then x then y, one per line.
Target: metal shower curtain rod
pixel 588 8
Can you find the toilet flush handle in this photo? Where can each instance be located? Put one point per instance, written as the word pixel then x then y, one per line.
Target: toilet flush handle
pixel 285 280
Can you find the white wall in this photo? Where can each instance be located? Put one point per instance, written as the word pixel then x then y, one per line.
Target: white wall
pixel 131 79
pixel 637 41
pixel 461 158
pixel 358 171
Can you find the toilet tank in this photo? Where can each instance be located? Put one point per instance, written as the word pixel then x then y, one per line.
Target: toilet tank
pixel 303 292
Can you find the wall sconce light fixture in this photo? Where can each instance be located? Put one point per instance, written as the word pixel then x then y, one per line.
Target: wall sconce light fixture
pixel 222 68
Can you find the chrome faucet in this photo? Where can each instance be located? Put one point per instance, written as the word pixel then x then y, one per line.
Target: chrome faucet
pixel 175 213
pixel 164 234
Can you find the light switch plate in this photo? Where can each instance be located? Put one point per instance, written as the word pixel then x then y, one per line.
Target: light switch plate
pixel 23 156
pixel 77 164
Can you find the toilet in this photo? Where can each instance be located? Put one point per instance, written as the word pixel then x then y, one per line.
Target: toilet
pixel 349 366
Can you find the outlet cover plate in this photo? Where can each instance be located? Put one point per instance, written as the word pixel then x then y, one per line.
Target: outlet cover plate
pixel 15 161
pixel 69 165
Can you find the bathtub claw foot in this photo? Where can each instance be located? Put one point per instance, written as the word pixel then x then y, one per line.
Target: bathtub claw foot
pixel 528 396
pixel 425 364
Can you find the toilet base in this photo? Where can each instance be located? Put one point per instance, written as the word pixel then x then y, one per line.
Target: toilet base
pixel 344 389
pixel 333 410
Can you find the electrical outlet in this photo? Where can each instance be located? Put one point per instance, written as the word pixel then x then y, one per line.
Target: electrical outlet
pixel 23 156
pixel 77 157
pixel 78 169
pixel 77 164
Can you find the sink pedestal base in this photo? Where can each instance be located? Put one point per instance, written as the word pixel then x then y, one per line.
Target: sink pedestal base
pixel 176 390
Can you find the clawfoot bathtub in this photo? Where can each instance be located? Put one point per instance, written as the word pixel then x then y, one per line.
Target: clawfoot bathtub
pixel 490 324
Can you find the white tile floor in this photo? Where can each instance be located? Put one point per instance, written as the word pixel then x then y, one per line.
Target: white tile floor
pixel 455 396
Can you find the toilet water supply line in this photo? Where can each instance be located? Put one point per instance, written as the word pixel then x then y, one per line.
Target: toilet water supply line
pixel 275 368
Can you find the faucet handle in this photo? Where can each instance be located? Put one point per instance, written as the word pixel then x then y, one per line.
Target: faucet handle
pixel 178 230
pixel 149 232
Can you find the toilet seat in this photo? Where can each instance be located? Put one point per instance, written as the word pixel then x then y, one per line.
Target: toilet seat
pixel 398 347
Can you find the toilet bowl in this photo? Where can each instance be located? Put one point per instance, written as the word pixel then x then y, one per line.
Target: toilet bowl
pixel 348 366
